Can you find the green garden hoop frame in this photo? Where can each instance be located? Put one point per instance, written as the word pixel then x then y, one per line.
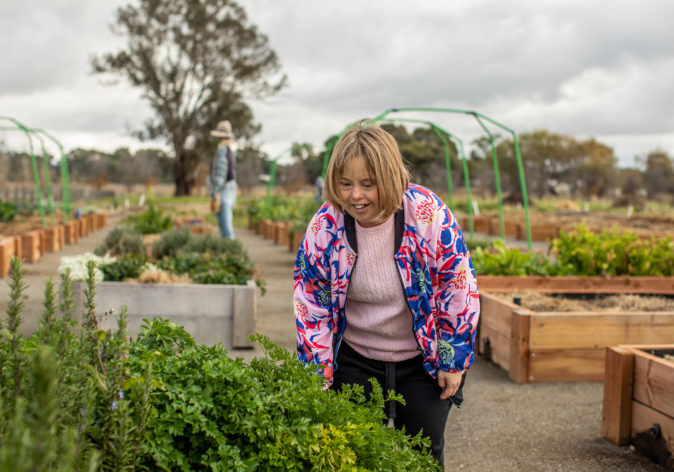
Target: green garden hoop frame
pixel 272 179
pixel 480 118
pixel 36 175
pixel 65 176
pixel 443 134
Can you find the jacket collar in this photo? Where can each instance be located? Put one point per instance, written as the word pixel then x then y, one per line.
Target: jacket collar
pixel 399 225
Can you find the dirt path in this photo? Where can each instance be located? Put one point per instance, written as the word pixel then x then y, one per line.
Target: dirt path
pixel 501 426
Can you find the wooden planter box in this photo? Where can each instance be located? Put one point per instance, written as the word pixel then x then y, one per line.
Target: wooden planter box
pixel 53 239
pixel 638 394
pixel 270 230
pixel 539 232
pixel 6 254
pixel 561 347
pixel 282 233
pixel 511 227
pixel 296 238
pixel 225 314
pixel 480 224
pixel 70 232
pixel 30 246
pixel 544 284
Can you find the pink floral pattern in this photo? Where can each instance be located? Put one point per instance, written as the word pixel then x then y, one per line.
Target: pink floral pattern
pixel 425 212
pixel 316 226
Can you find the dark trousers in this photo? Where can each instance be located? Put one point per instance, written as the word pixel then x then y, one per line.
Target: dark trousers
pixel 423 409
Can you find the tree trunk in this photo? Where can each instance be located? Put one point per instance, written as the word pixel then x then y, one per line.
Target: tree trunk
pixel 182 179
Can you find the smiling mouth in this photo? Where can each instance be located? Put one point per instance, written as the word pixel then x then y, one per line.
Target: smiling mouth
pixel 359 207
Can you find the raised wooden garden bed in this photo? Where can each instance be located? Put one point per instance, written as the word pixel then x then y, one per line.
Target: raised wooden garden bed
pixel 621 284
pixel 639 399
pixel 561 346
pixel 224 314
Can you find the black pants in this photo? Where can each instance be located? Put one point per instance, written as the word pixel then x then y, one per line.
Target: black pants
pixel 423 409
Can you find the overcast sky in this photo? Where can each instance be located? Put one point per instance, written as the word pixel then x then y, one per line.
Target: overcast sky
pixel 587 68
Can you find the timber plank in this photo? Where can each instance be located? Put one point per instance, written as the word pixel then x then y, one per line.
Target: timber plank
pixel 566 365
pixel 586 330
pixel 654 383
pixel 496 313
pixel 617 406
pixel 577 284
pixel 519 347
pixel 499 347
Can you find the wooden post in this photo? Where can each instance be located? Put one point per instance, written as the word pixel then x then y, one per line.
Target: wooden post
pixel 519 347
pixel 618 385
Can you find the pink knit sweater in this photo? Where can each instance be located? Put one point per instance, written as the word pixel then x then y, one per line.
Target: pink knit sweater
pixel 379 322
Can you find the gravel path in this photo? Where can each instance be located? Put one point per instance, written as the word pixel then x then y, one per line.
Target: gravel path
pixel 501 426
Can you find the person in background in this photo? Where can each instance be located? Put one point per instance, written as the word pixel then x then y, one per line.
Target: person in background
pixel 384 286
pixel 223 179
pixel 318 183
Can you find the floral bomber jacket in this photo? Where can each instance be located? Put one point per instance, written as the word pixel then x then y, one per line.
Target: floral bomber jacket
pixel 436 272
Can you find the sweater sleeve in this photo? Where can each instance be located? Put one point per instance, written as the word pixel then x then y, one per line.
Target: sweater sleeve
pixel 312 302
pixel 458 299
pixel 220 173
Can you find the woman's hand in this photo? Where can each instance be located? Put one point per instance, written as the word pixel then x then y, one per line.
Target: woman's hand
pixel 449 383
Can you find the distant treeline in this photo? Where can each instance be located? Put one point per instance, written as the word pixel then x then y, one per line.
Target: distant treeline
pixel 554 164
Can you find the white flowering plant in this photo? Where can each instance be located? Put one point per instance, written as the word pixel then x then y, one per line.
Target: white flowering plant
pixel 78 265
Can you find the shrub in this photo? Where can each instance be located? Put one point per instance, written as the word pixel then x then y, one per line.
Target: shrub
pixel 121 241
pixel 7 211
pixel 127 267
pixel 170 243
pixel 61 401
pixel 87 400
pixel 152 221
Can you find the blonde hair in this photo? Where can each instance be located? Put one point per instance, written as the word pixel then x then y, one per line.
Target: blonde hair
pixel 383 160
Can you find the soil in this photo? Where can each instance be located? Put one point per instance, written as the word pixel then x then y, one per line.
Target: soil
pixel 540 302
pixel 502 426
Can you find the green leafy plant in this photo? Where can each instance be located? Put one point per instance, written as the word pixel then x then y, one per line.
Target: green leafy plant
pixel 82 399
pixel 66 402
pixel 152 221
pixel 614 252
pixel 7 211
pixel 127 267
pixel 212 412
pixel 501 260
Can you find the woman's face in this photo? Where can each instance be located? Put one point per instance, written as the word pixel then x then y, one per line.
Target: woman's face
pixel 358 192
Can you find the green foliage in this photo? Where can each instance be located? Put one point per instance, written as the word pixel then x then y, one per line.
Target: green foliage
pixel 212 412
pixel 614 252
pixel 7 211
pixel 127 267
pixel 121 241
pixel 206 259
pixel 209 268
pixel 582 252
pixel 181 240
pixel 61 401
pixel 151 222
pixel 89 400
pixel 171 242
pixel 501 260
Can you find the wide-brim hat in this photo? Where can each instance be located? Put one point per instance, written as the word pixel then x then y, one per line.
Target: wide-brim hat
pixel 223 130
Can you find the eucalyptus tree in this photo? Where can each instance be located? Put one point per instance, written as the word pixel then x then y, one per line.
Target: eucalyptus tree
pixel 196 62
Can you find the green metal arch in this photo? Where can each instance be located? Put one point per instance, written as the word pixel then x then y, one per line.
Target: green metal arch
pixel 443 134
pixel 65 177
pixel 479 118
pixel 18 126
